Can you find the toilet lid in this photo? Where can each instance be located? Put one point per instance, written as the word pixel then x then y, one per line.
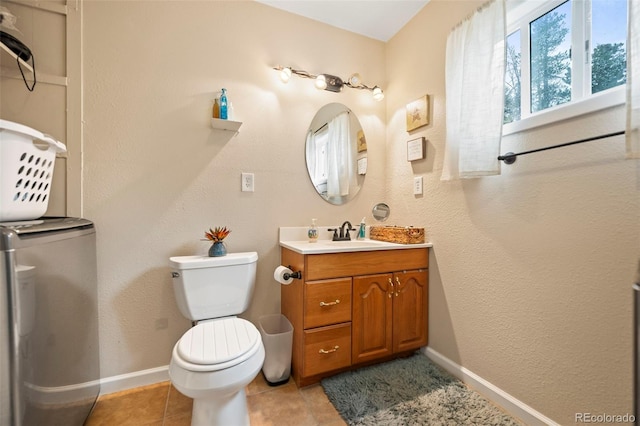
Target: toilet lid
pixel 218 341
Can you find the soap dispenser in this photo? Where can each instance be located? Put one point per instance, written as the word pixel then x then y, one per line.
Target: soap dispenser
pixel 216 108
pixel 362 230
pixel 224 111
pixel 312 233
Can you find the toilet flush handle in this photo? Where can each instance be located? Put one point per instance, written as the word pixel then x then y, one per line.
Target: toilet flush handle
pixel 175 274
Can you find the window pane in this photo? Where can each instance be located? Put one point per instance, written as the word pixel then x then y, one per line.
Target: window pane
pixel 512 86
pixel 551 58
pixel 608 42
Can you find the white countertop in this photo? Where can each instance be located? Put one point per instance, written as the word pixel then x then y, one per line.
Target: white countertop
pixel 295 238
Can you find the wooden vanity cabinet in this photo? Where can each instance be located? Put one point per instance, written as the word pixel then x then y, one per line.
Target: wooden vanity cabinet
pixel 389 314
pixel 354 308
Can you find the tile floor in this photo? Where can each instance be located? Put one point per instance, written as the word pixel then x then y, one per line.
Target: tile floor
pixel 162 405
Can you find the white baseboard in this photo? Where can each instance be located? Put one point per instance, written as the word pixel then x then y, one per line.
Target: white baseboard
pixel 133 380
pixel 513 406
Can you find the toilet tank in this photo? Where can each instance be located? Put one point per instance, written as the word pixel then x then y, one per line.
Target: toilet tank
pixel 212 287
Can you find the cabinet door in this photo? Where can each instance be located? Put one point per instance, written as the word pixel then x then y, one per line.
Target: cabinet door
pixel 410 310
pixel 372 315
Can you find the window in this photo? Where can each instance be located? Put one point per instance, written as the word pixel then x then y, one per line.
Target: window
pixel 563 58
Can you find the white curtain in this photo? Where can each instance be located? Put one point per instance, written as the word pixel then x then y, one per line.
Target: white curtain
pixel 633 81
pixel 475 66
pixel 339 157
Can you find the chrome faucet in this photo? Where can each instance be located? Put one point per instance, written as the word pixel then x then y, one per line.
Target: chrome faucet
pixel 344 233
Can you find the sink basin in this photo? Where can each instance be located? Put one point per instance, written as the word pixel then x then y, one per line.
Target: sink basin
pixel 295 238
pixel 350 244
pixel 328 246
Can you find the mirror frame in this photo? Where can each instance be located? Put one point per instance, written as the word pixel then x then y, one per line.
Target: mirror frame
pixel 381 212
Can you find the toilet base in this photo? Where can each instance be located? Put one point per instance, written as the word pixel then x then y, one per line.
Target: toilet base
pixel 230 410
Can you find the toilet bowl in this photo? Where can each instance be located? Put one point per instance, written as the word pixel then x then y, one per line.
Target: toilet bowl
pixel 212 363
pixel 215 360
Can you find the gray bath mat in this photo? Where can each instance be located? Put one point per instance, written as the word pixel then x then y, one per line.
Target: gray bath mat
pixel 409 391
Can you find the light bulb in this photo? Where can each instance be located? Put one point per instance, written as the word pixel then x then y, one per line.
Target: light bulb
pixel 378 95
pixel 321 82
pixel 285 74
pixel 355 80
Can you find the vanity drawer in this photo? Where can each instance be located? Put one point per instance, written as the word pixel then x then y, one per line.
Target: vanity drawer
pixel 347 264
pixel 327 302
pixel 327 348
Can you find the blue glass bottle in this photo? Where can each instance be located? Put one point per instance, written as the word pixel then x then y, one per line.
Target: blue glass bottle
pixel 224 107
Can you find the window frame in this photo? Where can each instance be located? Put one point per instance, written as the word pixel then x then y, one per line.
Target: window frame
pixel 520 13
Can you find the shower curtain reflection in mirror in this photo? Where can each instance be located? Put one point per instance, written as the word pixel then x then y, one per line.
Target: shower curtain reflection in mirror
pixel 336 153
pixel 331 158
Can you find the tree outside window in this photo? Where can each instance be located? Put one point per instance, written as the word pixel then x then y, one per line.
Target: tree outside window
pixel 549 61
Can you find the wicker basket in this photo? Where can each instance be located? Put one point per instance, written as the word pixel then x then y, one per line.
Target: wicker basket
pixel 397 234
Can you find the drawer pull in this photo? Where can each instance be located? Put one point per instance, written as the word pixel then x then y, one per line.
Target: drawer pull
pixel 325 351
pixel 330 303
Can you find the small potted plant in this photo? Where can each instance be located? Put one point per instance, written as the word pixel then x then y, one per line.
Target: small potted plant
pixel 217 235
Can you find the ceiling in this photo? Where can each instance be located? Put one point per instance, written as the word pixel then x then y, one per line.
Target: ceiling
pixel 377 19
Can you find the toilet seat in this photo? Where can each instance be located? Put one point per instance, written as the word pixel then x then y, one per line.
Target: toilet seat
pixel 217 344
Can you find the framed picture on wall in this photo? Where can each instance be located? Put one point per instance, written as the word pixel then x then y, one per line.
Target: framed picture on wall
pixel 415 149
pixel 362 141
pixel 362 166
pixel 418 113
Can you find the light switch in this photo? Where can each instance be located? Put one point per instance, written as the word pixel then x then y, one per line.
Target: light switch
pixel 247 182
pixel 417 185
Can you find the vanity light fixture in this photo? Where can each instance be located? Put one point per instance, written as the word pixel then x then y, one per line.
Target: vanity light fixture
pixel 330 82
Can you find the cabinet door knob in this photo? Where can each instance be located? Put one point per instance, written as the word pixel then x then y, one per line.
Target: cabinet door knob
pixel 398 287
pixel 328 351
pixel 391 284
pixel 330 303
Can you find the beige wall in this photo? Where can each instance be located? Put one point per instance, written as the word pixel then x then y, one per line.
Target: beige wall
pixel 531 270
pixel 157 176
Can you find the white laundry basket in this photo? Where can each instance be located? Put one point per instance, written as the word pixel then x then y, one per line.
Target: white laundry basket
pixel 27 158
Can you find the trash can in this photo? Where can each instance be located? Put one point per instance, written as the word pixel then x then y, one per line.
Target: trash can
pixel 277 337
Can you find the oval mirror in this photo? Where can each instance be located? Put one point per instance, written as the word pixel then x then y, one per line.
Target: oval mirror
pixel 381 212
pixel 336 153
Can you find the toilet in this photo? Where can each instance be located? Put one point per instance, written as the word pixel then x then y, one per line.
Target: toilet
pixel 221 354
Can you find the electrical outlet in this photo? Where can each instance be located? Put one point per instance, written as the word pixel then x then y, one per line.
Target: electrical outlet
pixel 247 182
pixel 417 185
pixel 162 323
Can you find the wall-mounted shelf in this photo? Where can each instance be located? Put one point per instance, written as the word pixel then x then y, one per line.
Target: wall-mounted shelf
pixel 10 70
pixel 228 125
pixel 14 56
